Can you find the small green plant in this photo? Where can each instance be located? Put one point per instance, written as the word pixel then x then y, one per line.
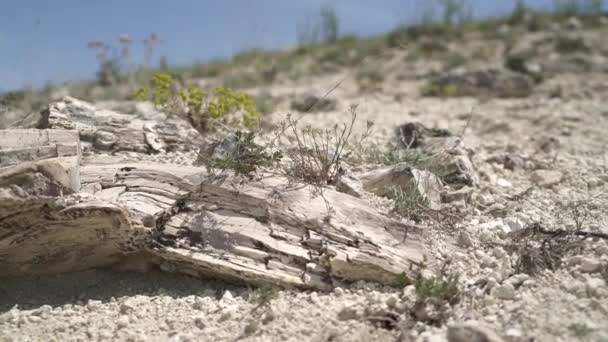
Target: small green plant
pixel 329 24
pixel 454 60
pixel 519 12
pixel 262 296
pixel 202 108
pixel 454 11
pixel 580 329
pixel 435 296
pixel 443 287
pixel 441 90
pixel 570 44
pixel 319 153
pixel 322 30
pixel 246 156
pixel 566 7
pixel 577 7
pixel 408 202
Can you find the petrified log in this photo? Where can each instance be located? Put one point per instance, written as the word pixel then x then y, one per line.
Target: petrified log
pixel 21 145
pixel 106 130
pixel 45 226
pixel 59 215
pixel 261 231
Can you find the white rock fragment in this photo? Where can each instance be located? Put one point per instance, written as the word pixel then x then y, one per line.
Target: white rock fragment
pixel 471 332
pixel 596 287
pixel 514 224
pixel 504 291
pixel 546 178
pixel 589 265
pixel 504 183
pixel 198 304
pixel 122 322
pixel 228 298
pixel 464 240
pixel 126 308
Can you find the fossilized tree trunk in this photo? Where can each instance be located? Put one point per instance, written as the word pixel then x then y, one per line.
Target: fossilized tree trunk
pixel 59 214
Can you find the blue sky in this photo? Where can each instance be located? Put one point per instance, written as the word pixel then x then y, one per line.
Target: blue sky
pixel 45 40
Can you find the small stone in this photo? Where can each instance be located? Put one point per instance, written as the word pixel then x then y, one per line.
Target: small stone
pixel 42 311
pixel 596 286
pixel 593 183
pixel 504 291
pixel 514 223
pixel 93 304
pixel 486 200
pixel 339 292
pixel 314 298
pixel 348 313
pixel 471 332
pixel 198 304
pixel 348 183
pixel 252 327
pixel 491 283
pixel 391 302
pixel 34 319
pixel 602 249
pixel 589 265
pixel 546 178
pixel 464 240
pixel 228 298
pixel 126 308
pixel 435 338
pixel 504 183
pixel 499 253
pixel 199 322
pixel 122 322
pixel 269 316
pixel 574 23
pixel 518 279
pixel 409 292
pixel 226 315
pixel 514 334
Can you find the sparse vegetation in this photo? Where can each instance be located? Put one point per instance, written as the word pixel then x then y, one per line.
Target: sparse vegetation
pixel 576 7
pixel 519 12
pixel 329 25
pixel 203 109
pixel 244 155
pixel 323 30
pixel 434 295
pixel 570 44
pixel 318 154
pixel 455 11
pixel 444 287
pixel 441 90
pixel 262 296
pixel 580 329
pixel 370 78
pixel 408 202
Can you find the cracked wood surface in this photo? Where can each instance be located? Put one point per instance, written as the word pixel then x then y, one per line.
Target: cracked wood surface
pixel 106 130
pixel 262 231
pixel 64 213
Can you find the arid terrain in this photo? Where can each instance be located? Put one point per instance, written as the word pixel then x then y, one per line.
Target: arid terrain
pixel 517 249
